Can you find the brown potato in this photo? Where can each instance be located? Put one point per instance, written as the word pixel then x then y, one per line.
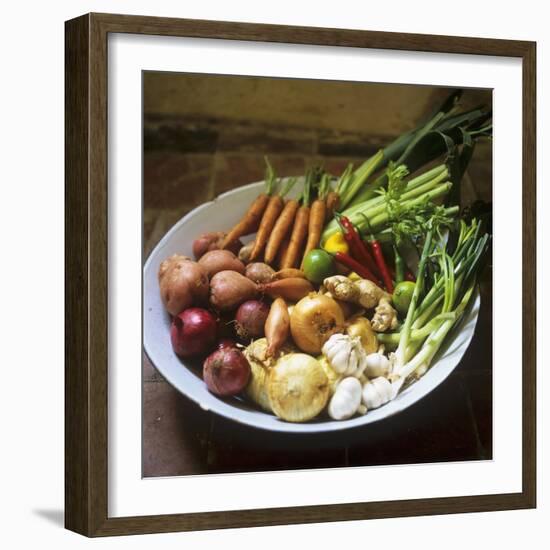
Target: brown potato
pixel 182 283
pixel 221 260
pixel 213 241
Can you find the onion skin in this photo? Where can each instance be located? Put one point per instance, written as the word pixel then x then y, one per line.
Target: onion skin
pixel 259 272
pixel 250 319
pixel 215 261
pixel 193 332
pixel 226 343
pixel 277 327
pixel 182 283
pixel 361 326
pixel 226 372
pixel 245 252
pixel 314 319
pixel 229 289
pixel 291 289
pixel 213 241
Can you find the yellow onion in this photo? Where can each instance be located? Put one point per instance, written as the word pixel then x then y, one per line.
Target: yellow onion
pixel 361 326
pixel 314 319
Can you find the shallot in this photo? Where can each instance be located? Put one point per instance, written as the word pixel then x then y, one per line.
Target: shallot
pixel 277 327
pixel 229 289
pixel 259 272
pixel 291 289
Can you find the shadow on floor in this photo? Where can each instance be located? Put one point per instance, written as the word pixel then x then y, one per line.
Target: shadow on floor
pixel 56 517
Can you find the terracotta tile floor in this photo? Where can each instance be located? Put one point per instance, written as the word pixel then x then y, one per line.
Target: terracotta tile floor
pixel 185 166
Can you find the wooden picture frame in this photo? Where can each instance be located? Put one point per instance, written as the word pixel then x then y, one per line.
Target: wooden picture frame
pixel 86 415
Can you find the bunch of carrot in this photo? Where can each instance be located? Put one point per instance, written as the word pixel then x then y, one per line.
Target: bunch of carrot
pixel 286 230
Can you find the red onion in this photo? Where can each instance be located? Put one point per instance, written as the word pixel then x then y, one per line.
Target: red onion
pixel 226 371
pixel 227 343
pixel 193 332
pixel 250 319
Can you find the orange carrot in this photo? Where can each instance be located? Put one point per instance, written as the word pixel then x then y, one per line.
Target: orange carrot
pixel 271 214
pixel 251 220
pixel 315 225
pixel 281 229
pixel 316 218
pixel 333 200
pixel 281 252
pixel 299 230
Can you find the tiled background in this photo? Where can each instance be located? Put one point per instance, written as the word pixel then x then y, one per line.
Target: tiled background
pixel 205 135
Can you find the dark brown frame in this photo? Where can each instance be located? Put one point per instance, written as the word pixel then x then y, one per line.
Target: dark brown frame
pixel 86 273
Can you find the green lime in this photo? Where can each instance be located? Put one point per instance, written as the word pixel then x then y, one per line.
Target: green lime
pixel 402 294
pixel 318 265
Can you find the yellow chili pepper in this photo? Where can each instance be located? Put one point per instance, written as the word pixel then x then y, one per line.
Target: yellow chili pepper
pixel 336 243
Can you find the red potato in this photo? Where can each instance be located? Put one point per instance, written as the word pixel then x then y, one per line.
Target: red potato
pixel 182 283
pixel 213 241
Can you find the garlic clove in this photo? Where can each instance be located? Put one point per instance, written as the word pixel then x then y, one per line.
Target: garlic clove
pixel 346 399
pixel 370 396
pixel 377 365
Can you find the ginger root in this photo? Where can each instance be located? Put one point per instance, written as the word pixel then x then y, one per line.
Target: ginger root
pixel 342 288
pixel 370 294
pixel 385 317
pixel 366 294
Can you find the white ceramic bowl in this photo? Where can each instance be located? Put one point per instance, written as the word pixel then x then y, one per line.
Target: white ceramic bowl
pixel 220 214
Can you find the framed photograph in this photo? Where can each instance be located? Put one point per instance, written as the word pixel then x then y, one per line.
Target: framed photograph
pixel 300 275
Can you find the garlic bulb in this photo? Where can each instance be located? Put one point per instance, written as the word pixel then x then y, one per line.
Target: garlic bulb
pixel 377 392
pixel 377 365
pixel 345 354
pixel 346 400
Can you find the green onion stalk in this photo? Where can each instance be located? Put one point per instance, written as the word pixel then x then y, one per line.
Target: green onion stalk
pixel 399 149
pixel 427 186
pixel 434 341
pixel 429 319
pixel 424 144
pixel 405 335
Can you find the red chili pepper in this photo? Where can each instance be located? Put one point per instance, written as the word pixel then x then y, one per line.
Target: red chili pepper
pixel 380 261
pixel 354 265
pixel 357 248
